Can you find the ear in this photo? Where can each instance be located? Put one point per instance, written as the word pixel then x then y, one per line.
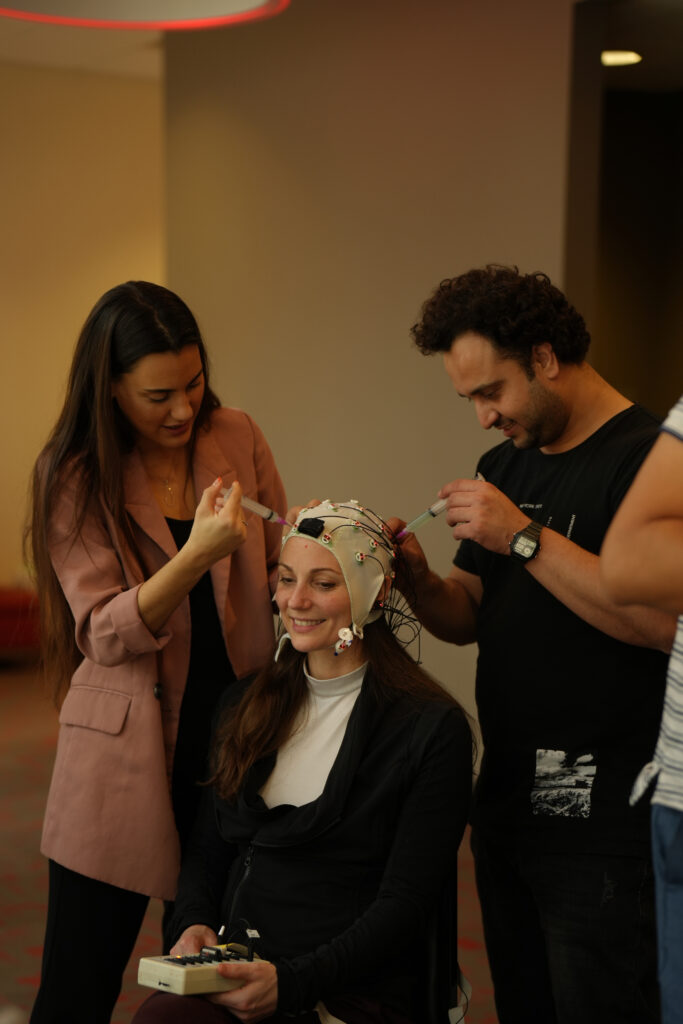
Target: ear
pixel 544 360
pixel 383 590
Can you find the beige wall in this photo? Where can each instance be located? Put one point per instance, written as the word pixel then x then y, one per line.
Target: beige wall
pixel 81 208
pixel 325 170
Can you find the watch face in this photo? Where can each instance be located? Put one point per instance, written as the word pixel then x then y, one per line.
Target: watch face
pixel 524 546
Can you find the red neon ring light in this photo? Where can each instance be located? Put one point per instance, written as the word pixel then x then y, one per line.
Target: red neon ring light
pixel 265 9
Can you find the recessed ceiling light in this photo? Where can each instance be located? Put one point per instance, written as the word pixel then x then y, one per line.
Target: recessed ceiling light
pixel 619 58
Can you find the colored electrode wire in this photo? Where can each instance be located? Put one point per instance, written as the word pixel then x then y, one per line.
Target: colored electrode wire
pixel 261 510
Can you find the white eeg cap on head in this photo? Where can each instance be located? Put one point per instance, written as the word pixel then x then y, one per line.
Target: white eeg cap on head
pixel 362 545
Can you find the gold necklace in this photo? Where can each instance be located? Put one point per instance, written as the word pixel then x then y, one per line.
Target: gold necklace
pixel 168 496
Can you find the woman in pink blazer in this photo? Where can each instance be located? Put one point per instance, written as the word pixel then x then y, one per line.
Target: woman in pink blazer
pixel 155 595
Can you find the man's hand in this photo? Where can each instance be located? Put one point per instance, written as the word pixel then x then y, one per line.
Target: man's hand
pixel 413 556
pixel 446 607
pixel 479 511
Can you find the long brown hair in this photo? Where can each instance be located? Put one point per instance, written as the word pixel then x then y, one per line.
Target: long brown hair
pixel 91 437
pixel 264 718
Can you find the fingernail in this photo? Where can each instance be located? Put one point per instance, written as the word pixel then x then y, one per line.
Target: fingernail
pixel 216 481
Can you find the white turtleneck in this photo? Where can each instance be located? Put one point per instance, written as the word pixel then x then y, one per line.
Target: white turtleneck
pixel 305 759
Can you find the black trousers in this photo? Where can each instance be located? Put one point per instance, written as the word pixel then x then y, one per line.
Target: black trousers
pixel 570 937
pixel 90 933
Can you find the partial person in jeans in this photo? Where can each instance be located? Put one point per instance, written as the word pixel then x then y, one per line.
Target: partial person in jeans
pixel 341 786
pixel 642 562
pixel 569 685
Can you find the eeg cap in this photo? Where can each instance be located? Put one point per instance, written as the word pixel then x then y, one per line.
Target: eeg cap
pixel 361 543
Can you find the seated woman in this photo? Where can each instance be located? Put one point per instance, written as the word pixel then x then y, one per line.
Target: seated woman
pixel 339 797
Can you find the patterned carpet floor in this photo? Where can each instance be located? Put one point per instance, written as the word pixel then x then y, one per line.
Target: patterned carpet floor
pixel 28 729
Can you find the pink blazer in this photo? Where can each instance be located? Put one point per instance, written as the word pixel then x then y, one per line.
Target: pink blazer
pixel 109 813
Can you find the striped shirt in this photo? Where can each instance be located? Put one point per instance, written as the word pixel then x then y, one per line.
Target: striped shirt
pixel 668 760
pixel 669 752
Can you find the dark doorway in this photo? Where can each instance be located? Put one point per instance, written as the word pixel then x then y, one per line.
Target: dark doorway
pixel 624 255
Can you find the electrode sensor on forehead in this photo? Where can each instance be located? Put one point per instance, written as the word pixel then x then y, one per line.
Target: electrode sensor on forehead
pixel 311 527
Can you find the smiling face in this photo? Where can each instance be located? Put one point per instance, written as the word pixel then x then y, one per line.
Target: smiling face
pixel 160 397
pixel 314 604
pixel 505 397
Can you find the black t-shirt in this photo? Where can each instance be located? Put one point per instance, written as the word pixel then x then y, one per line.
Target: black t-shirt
pixel 568 714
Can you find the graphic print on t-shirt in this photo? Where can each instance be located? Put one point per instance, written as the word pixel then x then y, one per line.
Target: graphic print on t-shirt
pixel 563 784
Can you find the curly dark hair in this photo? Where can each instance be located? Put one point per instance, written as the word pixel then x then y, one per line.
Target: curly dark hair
pixel 513 311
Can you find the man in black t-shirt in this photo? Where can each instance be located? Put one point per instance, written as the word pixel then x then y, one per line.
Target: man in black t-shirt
pixel 569 685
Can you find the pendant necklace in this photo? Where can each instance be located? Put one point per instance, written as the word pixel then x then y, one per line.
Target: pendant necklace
pixel 168 496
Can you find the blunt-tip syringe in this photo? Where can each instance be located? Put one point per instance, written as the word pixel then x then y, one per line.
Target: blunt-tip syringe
pixel 431 513
pixel 269 514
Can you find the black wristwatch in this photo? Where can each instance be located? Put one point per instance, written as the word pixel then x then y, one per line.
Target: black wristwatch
pixel 526 544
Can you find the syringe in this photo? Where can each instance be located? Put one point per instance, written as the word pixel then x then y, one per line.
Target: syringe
pixel 254 506
pixel 431 513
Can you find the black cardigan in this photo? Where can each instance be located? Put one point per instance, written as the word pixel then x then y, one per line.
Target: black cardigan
pixel 340 889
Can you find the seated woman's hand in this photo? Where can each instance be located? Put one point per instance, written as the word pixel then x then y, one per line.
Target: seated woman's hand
pixel 257 998
pixel 192 940
pixel 219 526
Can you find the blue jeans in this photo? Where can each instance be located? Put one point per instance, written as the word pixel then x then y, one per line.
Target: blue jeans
pixel 570 937
pixel 667 850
